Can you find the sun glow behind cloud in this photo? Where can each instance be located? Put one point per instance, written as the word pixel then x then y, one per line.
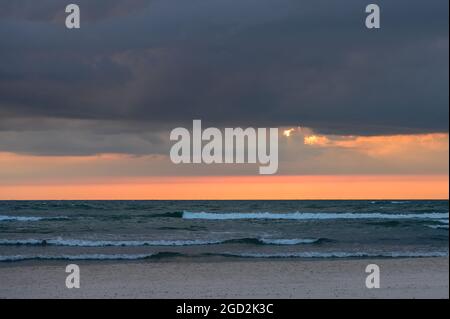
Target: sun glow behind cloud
pixel 316 140
pixel 382 145
pixel 288 132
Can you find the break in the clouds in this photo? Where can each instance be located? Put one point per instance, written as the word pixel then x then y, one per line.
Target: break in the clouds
pixel 137 68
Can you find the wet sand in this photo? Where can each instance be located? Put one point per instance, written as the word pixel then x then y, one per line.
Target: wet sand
pixel 400 278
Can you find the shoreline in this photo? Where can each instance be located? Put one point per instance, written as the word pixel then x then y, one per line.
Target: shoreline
pixel 228 278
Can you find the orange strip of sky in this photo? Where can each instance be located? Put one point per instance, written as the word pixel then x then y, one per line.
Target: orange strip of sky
pixel 255 187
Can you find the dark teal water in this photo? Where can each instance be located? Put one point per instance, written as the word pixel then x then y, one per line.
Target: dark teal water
pixel 97 230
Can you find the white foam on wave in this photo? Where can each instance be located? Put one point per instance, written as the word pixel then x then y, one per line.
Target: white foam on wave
pixel 75 257
pixel 28 218
pixel 438 226
pixel 443 222
pixel 294 241
pixel 310 216
pixel 340 255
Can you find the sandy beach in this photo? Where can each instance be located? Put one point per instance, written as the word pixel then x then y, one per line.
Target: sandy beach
pixel 400 278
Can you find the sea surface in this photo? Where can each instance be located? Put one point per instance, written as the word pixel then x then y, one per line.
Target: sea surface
pixel 174 230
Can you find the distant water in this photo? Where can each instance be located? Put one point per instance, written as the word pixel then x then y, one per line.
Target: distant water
pixel 133 230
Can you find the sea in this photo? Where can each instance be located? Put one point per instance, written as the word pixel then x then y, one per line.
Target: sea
pixel 220 230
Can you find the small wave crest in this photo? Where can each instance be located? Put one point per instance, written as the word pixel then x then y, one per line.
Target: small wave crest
pixel 443 224
pixel 137 243
pixel 167 215
pixel 79 257
pixel 291 241
pixel 29 218
pixel 160 255
pixel 438 226
pixel 340 255
pixel 310 216
pixel 105 243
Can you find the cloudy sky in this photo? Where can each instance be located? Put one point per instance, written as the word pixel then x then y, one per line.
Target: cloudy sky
pixel 85 110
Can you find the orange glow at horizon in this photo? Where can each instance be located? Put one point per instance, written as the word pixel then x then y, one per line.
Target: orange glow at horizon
pixel 110 176
pixel 245 187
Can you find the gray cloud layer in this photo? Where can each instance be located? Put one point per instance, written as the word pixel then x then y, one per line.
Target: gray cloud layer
pixel 227 62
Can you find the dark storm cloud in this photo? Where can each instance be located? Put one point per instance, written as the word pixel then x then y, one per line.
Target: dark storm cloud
pixel 56 137
pixel 227 62
pixel 53 10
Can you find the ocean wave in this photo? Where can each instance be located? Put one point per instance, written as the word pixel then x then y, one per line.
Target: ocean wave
pixel 443 224
pixel 167 215
pixel 294 241
pixel 391 202
pixel 189 228
pixel 161 255
pixel 277 241
pixel 385 223
pixel 310 216
pixel 105 243
pixel 78 257
pixel 339 255
pixel 438 226
pixel 138 243
pixel 22 242
pixel 29 218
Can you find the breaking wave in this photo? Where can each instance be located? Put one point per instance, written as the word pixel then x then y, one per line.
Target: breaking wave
pixel 340 255
pixel 138 243
pixel 29 218
pixel 310 216
pixel 88 257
